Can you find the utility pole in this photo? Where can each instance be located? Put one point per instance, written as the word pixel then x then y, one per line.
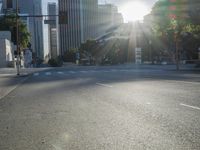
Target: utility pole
pixel 177 52
pixel 17 39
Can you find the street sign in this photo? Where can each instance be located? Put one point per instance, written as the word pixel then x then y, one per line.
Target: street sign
pixel 50 22
pixel 138 55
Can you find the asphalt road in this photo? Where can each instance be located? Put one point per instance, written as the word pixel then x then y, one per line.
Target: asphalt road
pixel 103 109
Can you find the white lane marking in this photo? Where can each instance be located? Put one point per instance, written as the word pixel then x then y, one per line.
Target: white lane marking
pixel 93 71
pixel 185 82
pixel 83 71
pixel 105 71
pixel 194 107
pixel 125 70
pixel 105 85
pixel 72 72
pixel 148 103
pixel 113 70
pixel 48 73
pixel 36 74
pixel 60 72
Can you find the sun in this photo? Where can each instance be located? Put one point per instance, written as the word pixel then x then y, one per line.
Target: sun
pixel 134 11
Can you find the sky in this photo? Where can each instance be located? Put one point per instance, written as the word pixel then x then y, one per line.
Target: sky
pixel 123 6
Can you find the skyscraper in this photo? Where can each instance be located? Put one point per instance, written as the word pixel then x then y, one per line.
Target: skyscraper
pixel 39 31
pixel 85 20
pixel 53 30
pixel 108 17
pixel 81 22
pixel 89 13
pixel 70 31
pixel 1 6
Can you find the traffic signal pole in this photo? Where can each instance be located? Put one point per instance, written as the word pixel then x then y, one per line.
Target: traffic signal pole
pixel 177 52
pixel 17 39
pixel 17 31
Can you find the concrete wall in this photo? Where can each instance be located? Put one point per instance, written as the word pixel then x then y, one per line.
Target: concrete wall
pixel 5 52
pixel 5 35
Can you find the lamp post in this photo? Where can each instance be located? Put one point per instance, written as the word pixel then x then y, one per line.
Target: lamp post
pixel 17 39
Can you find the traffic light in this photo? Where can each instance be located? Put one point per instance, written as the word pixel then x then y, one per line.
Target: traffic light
pixel 63 17
pixel 178 9
pixel 14 35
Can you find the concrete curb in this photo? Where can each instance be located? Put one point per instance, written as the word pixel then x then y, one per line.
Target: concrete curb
pixel 15 86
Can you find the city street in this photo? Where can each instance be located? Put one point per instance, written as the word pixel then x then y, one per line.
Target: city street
pixel 101 108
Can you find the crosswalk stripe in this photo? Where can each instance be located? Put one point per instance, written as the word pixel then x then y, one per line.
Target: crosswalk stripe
pixel 36 74
pixel 60 72
pixel 105 85
pixel 93 71
pixel 113 70
pixel 72 72
pixel 48 73
pixel 83 71
pixel 105 71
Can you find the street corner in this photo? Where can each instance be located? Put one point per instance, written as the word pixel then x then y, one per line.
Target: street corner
pixel 9 82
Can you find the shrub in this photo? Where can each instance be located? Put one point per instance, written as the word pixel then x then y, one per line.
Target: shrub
pixel 55 62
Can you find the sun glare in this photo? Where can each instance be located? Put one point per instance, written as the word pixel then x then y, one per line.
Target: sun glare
pixel 134 11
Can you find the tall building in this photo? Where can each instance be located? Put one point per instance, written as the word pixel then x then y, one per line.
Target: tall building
pixel 45 27
pixel 89 19
pixel 36 26
pixel 30 7
pixel 81 22
pixel 70 30
pixel 1 6
pixel 53 30
pixel 108 17
pixel 85 20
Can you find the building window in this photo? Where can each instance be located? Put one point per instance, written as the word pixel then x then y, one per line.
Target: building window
pixel 9 4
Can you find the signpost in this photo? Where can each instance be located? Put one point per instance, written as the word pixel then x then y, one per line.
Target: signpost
pixel 199 53
pixel 138 55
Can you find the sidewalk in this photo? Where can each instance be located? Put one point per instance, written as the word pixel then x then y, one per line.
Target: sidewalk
pixel 13 71
pixel 164 67
pixel 9 82
pixel 9 79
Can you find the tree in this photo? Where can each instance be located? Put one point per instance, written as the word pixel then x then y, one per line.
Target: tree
pixel 8 23
pixel 70 55
pixel 89 47
pixel 171 21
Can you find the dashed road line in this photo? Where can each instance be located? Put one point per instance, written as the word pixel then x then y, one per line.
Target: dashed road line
pixel 83 71
pixel 72 72
pixel 185 82
pixel 36 74
pixel 59 72
pixel 105 85
pixel 113 70
pixel 193 107
pixel 48 73
pixel 93 71
pixel 105 71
